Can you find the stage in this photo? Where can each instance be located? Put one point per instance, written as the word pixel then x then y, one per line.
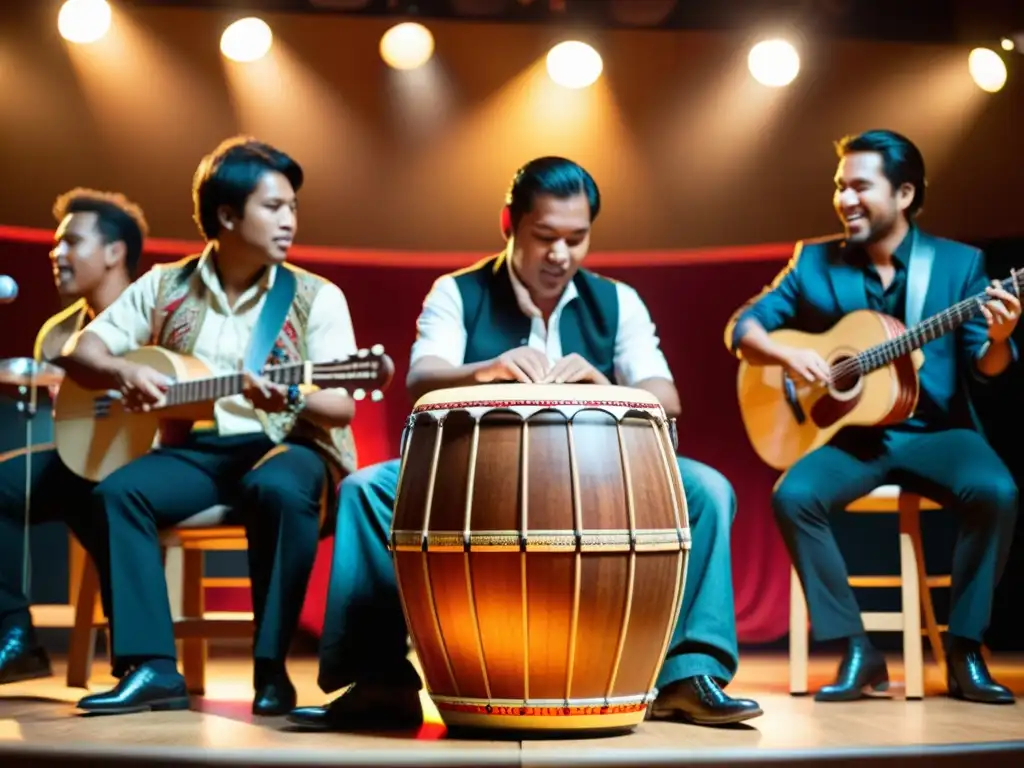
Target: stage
pixel 40 726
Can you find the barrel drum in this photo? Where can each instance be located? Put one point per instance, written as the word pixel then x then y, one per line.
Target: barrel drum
pixel 540 542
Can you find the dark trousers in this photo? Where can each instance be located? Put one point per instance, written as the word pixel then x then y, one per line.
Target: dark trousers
pixel 957 468
pixel 277 501
pixel 365 635
pixel 57 494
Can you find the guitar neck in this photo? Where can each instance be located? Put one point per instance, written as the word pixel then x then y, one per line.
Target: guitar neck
pixel 928 330
pixel 224 385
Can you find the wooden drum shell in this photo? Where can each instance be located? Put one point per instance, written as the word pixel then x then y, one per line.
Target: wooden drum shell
pixel 540 543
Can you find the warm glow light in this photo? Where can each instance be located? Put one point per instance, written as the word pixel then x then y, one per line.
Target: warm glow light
pixel 573 64
pixel 407 45
pixel 987 69
pixel 246 40
pixel 1007 44
pixel 774 63
pixel 83 21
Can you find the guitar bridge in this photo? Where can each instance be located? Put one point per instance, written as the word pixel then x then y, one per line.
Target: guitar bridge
pixel 791 399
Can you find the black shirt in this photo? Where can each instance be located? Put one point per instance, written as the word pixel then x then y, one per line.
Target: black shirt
pixel 892 300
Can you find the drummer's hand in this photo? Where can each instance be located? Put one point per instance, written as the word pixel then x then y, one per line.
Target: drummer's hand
pixel 141 386
pixel 522 364
pixel 573 369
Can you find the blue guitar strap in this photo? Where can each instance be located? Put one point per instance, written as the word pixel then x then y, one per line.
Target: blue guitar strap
pixel 271 319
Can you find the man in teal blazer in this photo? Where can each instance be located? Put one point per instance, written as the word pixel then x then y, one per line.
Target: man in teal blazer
pixel 886 263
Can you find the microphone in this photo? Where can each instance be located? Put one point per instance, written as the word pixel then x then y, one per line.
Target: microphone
pixel 8 289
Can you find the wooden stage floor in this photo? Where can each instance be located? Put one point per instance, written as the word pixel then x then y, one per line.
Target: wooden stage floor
pixel 38 721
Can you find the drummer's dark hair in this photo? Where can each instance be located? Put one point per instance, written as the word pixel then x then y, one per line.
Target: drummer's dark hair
pixel 550 175
pixel 117 219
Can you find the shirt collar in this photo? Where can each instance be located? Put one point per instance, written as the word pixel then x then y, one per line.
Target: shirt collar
pixel 208 274
pixel 522 293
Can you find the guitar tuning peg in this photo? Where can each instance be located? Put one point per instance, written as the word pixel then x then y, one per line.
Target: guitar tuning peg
pixel 377 349
pixel 376 396
pixel 359 394
pixel 362 353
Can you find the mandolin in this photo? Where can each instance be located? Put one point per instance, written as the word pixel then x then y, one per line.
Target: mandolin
pixel 95 435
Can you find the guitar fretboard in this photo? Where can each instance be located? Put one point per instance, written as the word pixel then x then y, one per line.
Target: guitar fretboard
pixel 225 385
pixel 928 330
pixel 365 371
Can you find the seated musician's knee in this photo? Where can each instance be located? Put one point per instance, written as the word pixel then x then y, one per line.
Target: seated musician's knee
pixel 996 495
pixel 376 483
pixel 708 490
pixel 794 499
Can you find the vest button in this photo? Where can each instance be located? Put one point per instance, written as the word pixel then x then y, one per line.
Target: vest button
pixel 523 341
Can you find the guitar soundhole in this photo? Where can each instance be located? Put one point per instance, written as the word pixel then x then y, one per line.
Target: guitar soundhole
pixel 844 374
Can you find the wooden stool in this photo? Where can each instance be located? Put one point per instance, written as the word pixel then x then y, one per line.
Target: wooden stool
pixel 915 601
pixel 184 550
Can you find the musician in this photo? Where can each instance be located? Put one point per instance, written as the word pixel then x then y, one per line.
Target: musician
pixel 96 251
pixel 273 453
pixel 529 314
pixel 885 262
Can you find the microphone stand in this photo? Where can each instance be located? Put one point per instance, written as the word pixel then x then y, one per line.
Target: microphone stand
pixel 29 408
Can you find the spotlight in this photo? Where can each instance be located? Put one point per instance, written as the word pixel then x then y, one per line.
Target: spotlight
pixel 1006 44
pixel 987 69
pixel 406 46
pixel 246 40
pixel 774 63
pixel 83 21
pixel 573 64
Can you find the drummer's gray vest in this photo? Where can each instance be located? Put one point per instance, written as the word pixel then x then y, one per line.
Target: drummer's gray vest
pixel 495 323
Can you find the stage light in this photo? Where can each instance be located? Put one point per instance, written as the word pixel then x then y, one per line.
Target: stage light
pixel 987 69
pixel 246 40
pixel 406 46
pixel 1007 44
pixel 83 21
pixel 774 63
pixel 573 64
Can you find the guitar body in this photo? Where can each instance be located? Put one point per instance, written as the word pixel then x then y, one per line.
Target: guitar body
pixel 95 435
pixel 771 410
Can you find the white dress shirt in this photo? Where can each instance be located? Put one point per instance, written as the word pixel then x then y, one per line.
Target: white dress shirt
pixel 223 339
pixel 441 332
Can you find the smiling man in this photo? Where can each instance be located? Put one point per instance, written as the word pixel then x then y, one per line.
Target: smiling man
pixel 272 453
pixel 886 263
pixel 96 251
pixel 530 314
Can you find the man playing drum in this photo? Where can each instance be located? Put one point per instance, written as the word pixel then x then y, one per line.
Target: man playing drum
pixel 531 315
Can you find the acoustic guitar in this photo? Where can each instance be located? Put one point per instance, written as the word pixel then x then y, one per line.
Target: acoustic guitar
pixel 95 435
pixel 873 361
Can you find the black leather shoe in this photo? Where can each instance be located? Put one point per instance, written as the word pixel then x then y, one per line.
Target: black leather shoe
pixel 364 707
pixel 21 657
pixel 863 666
pixel 143 690
pixel 700 701
pixel 274 697
pixel 968 678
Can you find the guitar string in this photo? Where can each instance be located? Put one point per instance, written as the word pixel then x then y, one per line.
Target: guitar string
pixel 883 353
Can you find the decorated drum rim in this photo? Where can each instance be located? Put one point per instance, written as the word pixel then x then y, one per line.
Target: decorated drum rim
pixel 540 403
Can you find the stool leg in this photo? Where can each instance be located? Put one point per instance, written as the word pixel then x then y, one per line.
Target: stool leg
pixel 911 522
pixel 798 652
pixel 82 645
pixel 913 663
pixel 193 648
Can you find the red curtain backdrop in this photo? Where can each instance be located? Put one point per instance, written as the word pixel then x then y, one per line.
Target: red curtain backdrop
pixel 690 295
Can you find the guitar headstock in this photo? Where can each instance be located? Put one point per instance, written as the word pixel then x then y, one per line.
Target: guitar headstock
pixel 367 373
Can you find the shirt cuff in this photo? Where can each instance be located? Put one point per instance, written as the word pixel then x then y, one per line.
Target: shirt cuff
pixel 983 350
